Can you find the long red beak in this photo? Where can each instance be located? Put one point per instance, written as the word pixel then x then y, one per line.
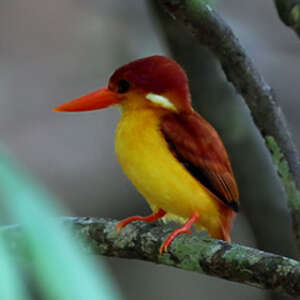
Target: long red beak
pixel 96 100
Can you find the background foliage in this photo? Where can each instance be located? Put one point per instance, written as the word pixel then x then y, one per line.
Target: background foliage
pixel 55 265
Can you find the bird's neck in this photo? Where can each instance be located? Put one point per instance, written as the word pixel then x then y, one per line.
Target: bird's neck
pixel 134 102
pixel 138 114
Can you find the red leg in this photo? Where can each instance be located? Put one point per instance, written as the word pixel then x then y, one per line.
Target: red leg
pixel 183 229
pixel 158 215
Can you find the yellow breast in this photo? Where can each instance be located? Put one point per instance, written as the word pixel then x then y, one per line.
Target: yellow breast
pixel 146 159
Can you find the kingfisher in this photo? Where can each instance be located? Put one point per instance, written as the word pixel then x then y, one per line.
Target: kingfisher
pixel 172 155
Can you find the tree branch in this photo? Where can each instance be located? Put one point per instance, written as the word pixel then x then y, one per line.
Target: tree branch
pixel 289 13
pixel 188 252
pixel 211 30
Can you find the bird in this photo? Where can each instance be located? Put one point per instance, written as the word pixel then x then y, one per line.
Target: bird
pixel 173 156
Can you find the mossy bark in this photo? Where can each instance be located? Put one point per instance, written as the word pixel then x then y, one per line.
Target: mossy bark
pixel 194 252
pixel 289 13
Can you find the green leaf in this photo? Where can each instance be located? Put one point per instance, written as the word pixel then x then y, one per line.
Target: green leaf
pixel 60 268
pixel 11 284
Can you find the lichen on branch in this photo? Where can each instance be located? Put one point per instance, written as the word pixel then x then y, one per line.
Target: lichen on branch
pixel 289 13
pixel 194 252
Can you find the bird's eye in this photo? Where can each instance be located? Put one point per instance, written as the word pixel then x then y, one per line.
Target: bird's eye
pixel 123 86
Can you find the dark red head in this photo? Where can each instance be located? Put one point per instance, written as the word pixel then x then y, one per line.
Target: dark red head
pixel 154 75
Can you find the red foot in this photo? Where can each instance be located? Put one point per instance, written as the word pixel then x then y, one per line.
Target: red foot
pixel 158 215
pixel 183 229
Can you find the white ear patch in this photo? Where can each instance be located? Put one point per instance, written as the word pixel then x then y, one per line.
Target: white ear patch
pixel 161 101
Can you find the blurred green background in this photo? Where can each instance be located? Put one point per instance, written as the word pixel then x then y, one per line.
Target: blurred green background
pixel 54 51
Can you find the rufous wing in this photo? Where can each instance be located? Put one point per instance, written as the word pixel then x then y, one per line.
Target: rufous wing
pixel 197 145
